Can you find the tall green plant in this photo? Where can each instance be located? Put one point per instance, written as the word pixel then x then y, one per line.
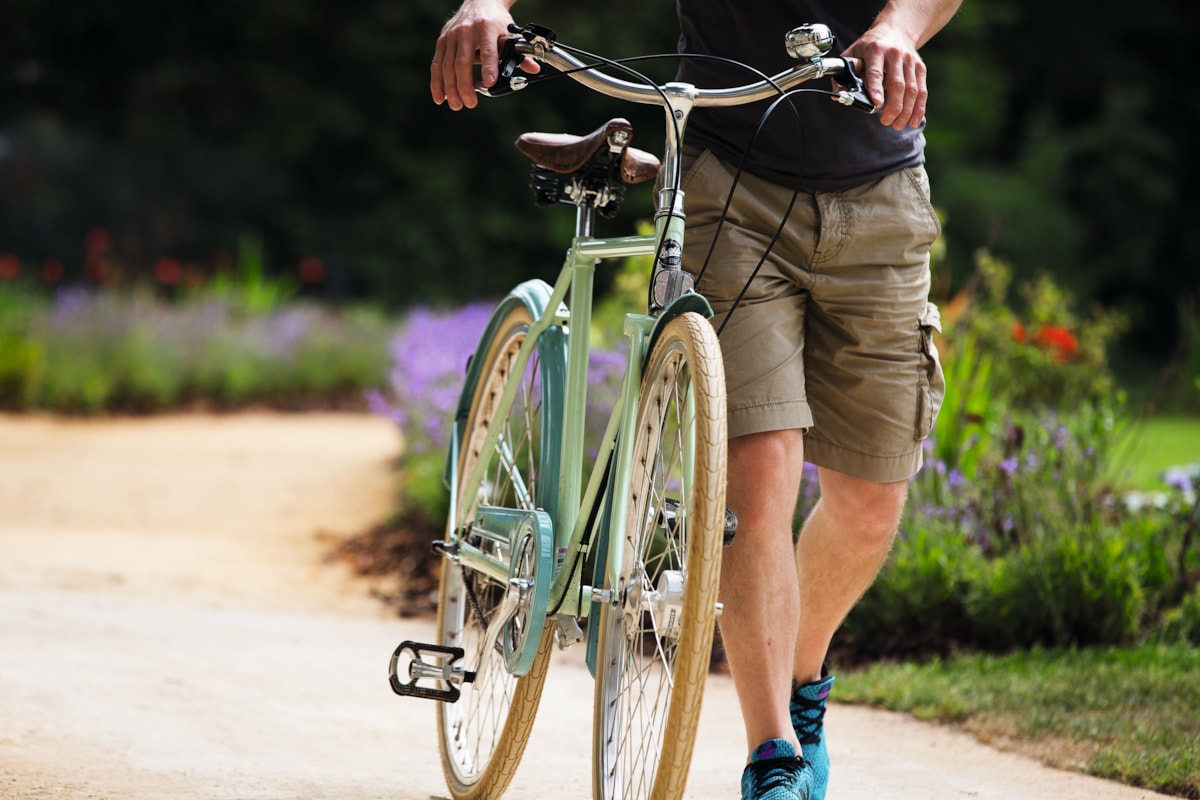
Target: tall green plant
pixel 249 286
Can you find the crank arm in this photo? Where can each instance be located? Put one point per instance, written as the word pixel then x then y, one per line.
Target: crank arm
pixel 513 600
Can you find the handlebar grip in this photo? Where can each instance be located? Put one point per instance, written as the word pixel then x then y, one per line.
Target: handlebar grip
pixel 507 81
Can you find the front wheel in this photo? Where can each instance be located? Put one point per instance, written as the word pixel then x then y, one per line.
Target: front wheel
pixel 656 629
pixel 483 734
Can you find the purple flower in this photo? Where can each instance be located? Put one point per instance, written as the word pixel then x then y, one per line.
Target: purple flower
pixel 956 479
pixel 429 355
pixel 1181 479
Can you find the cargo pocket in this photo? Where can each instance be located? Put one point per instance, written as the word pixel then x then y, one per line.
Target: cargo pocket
pixel 932 382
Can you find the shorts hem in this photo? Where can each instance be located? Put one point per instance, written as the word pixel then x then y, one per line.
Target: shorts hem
pixel 880 469
pixel 780 416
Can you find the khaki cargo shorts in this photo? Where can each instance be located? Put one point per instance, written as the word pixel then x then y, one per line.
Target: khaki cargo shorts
pixel 834 333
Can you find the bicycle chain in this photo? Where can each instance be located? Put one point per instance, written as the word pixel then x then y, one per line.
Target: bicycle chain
pixel 483 620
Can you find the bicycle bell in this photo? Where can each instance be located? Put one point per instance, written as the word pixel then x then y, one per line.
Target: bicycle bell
pixel 808 41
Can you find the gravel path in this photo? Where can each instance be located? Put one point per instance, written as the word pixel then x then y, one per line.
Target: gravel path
pixel 169 629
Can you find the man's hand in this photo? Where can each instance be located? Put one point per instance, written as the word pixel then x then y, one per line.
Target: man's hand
pixel 472 36
pixel 893 74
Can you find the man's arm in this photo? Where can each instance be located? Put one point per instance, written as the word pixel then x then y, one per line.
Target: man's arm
pixel 472 36
pixel 892 68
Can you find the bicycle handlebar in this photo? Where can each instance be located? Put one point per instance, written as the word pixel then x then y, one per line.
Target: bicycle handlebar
pixel 807 43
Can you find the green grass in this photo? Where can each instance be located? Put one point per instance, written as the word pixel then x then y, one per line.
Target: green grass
pixel 1147 447
pixel 1130 715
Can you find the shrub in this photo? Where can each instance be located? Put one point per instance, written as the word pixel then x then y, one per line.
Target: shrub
pixel 1063 588
pixel 89 352
pixel 1013 536
pixel 996 360
pixel 1183 623
pixel 429 355
pixel 920 604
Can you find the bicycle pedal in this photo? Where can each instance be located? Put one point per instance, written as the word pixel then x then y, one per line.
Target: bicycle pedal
pixel 730 528
pixel 443 668
pixel 669 514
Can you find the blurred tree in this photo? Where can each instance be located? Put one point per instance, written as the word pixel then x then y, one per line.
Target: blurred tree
pixel 179 128
pixel 1060 138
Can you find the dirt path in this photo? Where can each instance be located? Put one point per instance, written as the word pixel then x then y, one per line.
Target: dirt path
pixel 168 629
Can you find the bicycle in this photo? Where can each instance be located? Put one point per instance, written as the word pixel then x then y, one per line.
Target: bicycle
pixel 530 548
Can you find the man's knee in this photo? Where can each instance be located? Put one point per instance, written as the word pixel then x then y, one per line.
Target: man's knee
pixel 764 478
pixel 867 512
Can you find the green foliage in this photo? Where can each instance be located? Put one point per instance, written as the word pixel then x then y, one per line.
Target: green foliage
pixel 1065 588
pixel 1043 356
pixel 1035 550
pixel 628 293
pixel 95 352
pixel 1182 624
pixel 248 287
pixel 1014 535
pixel 920 602
pixel 21 361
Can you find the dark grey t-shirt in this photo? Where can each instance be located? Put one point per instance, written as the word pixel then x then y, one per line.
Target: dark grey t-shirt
pixel 830 147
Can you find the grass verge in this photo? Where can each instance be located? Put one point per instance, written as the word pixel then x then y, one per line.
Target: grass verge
pixel 1125 714
pixel 1149 446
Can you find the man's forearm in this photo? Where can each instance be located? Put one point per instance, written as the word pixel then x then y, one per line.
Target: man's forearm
pixel 919 20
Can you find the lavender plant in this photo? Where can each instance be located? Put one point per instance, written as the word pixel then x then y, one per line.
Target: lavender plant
pixel 91 351
pixel 1036 549
pixel 429 355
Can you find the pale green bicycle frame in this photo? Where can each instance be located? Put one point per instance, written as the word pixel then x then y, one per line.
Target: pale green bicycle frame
pixel 570 305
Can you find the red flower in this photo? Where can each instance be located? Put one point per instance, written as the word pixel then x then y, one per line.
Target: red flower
pixel 95 267
pixel 168 271
pixel 97 241
pixel 1061 341
pixel 311 269
pixel 10 267
pixel 53 270
pixel 1063 344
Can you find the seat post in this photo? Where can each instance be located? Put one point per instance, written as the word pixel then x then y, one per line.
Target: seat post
pixel 585 217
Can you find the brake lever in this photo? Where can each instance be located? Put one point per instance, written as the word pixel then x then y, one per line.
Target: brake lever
pixel 852 93
pixel 507 81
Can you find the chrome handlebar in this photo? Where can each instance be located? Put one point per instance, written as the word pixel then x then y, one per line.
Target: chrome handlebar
pixel 806 43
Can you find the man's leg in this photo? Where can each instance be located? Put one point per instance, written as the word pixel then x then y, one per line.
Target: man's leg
pixel 760 620
pixel 841 548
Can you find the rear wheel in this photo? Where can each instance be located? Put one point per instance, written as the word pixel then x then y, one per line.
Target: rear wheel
pixel 482 735
pixel 656 631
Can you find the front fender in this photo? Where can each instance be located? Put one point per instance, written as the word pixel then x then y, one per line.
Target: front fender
pixel 681 305
pixel 535 295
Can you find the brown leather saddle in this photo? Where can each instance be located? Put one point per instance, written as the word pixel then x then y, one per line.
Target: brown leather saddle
pixel 566 153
